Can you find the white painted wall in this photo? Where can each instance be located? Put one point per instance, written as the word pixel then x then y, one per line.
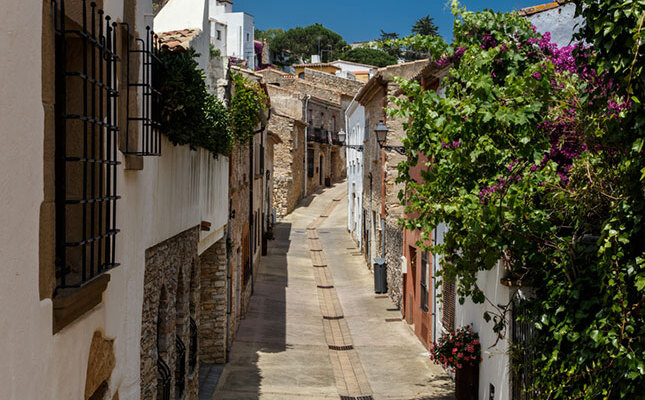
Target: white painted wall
pixel 240 31
pixel 172 193
pixel 355 125
pixel 187 14
pixel 559 21
pixel 219 42
pixel 351 67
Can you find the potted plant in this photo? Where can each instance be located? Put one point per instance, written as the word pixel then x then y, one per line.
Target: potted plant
pixel 459 352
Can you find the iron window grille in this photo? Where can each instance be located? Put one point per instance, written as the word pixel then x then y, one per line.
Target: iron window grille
pixel 192 361
pixel 86 134
pixel 449 296
pixel 148 119
pixel 163 380
pixel 180 368
pixel 425 266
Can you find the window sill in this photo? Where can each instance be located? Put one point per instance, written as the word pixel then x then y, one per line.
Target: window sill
pixel 71 304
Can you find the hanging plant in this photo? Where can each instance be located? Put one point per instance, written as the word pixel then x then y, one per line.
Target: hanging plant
pixel 248 104
pixel 190 115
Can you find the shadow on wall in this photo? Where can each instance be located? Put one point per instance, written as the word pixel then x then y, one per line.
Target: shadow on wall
pixel 263 330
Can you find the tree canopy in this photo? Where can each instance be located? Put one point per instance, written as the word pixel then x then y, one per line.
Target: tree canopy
pixel 299 44
pixel 369 56
pixel 425 26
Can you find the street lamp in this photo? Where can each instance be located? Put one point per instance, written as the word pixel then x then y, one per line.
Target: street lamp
pixel 381 133
pixel 341 136
pixel 381 137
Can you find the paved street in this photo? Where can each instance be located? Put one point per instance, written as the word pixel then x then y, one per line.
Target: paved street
pixel 316 330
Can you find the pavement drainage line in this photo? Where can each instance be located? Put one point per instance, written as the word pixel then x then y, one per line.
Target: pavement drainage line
pixel 351 380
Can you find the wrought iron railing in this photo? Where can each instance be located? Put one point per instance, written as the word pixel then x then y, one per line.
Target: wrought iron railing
pixel 192 360
pixel 180 368
pixel 86 129
pixel 148 120
pixel 163 380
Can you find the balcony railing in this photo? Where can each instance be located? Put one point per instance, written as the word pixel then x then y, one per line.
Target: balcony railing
pixel 319 135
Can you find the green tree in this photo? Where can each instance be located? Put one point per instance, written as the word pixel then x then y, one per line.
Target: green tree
pixel 369 56
pixel 268 34
pixel 299 44
pixel 388 43
pixel 425 26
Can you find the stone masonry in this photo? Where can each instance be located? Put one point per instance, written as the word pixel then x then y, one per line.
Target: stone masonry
pixel 171 295
pixel 212 324
pixel 382 167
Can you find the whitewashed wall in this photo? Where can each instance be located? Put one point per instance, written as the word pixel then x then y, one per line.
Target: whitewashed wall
pixel 355 123
pixel 172 193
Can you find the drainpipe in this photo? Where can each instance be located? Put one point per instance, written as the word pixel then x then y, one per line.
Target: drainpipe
pixel 434 288
pixel 304 149
pixel 228 279
pixel 372 233
pixel 251 222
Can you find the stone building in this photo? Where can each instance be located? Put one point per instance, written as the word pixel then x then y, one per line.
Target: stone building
pixel 250 217
pixel 308 115
pixel 381 206
pixel 107 227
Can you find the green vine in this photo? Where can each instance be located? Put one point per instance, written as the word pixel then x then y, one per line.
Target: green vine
pixel 534 157
pixel 248 104
pixel 190 115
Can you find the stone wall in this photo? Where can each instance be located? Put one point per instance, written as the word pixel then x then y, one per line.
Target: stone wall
pixel 239 190
pixel 345 86
pixel 171 295
pixel 286 190
pixel 212 323
pixel 393 253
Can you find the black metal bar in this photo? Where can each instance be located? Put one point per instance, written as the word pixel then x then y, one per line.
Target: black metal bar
pixel 60 142
pixel 92 237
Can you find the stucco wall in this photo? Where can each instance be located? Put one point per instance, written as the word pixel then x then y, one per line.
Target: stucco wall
pixel 559 21
pixel 158 202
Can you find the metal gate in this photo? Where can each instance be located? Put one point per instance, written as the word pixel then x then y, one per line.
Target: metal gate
pixel 522 356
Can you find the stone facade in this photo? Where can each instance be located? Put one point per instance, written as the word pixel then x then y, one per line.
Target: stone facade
pixel 171 296
pixel 380 200
pixel 288 163
pixel 345 86
pixel 212 305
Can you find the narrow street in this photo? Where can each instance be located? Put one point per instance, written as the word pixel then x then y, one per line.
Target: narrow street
pixel 316 330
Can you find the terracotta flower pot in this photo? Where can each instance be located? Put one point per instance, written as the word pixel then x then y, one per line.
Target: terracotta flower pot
pixel 467 382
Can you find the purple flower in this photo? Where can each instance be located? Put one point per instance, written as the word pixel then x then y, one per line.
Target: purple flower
pixel 537 75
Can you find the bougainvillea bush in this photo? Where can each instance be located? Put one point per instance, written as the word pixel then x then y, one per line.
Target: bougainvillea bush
pixel 536 159
pixel 457 349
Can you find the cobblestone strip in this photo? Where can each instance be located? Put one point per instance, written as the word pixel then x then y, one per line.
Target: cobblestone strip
pixel 351 380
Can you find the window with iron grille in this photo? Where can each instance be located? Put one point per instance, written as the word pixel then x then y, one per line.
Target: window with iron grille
pixel 143 119
pixel 310 163
pixel 523 335
pixel 86 134
pixel 425 266
pixel 448 317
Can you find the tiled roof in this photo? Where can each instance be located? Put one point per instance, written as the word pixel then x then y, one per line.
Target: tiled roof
pixel 178 40
pixel 542 7
pixel 316 65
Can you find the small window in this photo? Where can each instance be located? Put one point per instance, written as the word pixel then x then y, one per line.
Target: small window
pixel 248 37
pixel 425 269
pixel 302 76
pixel 219 35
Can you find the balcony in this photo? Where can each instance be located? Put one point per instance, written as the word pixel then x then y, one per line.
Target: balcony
pixel 323 136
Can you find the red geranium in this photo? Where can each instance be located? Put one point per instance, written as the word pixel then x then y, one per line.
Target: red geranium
pixel 455 349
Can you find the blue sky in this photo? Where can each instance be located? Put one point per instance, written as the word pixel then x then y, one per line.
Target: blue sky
pixel 361 20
